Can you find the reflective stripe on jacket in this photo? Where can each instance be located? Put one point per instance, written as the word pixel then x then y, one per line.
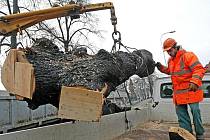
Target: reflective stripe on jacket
pixel 185 68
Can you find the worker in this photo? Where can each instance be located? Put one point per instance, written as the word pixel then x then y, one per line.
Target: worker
pixel 186 74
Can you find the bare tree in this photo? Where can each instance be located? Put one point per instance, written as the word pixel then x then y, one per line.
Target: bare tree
pixel 7 8
pixel 66 32
pixel 3 40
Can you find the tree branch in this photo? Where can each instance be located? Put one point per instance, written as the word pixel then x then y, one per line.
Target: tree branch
pixel 5 44
pixel 9 7
pixel 79 31
pixel 3 13
pixel 60 27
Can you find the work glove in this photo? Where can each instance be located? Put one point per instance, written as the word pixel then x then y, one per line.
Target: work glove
pixel 158 65
pixel 207 67
pixel 193 87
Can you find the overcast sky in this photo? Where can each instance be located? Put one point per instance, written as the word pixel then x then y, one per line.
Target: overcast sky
pixel 142 22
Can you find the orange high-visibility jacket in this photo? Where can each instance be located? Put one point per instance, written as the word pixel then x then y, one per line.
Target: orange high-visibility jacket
pixel 185 68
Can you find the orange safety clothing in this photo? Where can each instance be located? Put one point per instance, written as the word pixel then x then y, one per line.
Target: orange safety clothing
pixel 185 68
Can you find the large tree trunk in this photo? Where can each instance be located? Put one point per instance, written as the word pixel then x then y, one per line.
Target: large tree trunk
pixel 54 69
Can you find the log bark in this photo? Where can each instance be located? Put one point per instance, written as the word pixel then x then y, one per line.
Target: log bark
pixel 54 69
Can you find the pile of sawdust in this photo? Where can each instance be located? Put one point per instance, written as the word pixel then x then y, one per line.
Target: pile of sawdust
pixel 152 130
pixel 156 125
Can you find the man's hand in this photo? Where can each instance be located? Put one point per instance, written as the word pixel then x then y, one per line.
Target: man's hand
pixel 193 87
pixel 158 65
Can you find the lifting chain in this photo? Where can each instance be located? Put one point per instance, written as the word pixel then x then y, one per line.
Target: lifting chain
pixel 116 35
pixel 113 18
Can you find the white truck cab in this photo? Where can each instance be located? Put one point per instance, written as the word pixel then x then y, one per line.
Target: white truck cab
pixel 165 109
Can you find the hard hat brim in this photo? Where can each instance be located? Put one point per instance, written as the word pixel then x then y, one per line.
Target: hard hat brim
pixel 167 49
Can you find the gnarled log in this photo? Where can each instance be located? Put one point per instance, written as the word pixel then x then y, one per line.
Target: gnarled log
pixel 54 69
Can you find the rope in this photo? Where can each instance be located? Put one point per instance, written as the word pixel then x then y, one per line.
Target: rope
pixel 127 122
pixel 151 91
pixel 114 49
pixel 117 41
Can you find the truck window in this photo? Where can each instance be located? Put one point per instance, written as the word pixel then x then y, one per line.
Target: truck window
pixel 166 90
pixel 206 89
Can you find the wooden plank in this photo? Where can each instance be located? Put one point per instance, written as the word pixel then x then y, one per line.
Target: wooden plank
pixel 8 71
pixel 18 97
pixel 21 57
pixel 14 74
pixel 178 133
pixel 23 79
pixel 80 104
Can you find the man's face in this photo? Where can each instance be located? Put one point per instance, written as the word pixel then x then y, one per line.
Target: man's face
pixel 172 52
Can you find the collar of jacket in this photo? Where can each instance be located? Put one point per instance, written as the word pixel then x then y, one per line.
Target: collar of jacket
pixel 179 53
